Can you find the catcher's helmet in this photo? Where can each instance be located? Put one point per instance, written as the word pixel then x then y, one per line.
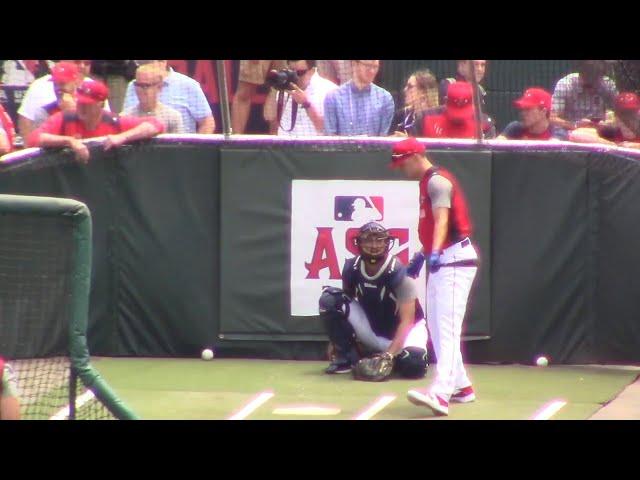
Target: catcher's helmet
pixel 374 242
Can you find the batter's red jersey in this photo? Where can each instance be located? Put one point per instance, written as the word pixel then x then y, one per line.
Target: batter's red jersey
pixel 459 220
pixel 68 124
pixel 7 126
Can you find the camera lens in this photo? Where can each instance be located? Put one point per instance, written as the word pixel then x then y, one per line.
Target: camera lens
pixel 280 79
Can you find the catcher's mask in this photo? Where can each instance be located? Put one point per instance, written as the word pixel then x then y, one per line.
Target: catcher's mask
pixel 373 242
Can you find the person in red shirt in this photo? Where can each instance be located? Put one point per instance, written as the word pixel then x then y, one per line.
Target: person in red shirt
pixel 445 232
pixel 624 131
pixel 7 132
pixel 458 118
pixel 65 129
pixel 534 124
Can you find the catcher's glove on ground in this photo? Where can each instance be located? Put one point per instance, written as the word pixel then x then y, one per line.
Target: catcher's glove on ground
pixel 374 369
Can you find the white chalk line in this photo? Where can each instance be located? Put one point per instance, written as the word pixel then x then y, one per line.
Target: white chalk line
pixel 549 410
pixel 375 407
pixel 63 413
pixel 252 406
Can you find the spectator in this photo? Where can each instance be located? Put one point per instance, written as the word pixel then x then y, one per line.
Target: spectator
pixel 581 99
pixel 181 93
pixel 338 71
pixel 420 97
pixel 66 78
pixel 18 72
pixel 359 107
pixel 253 73
pixel 7 132
pixel 534 124
pixel 305 103
pixel 458 118
pixel 40 93
pixel 625 130
pixel 115 74
pixel 463 74
pixel 9 402
pixel 65 129
pixel 148 84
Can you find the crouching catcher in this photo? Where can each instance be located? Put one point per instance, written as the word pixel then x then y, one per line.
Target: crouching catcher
pixel 376 314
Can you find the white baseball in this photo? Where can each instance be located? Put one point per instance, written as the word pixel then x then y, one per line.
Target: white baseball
pixel 542 361
pixel 207 354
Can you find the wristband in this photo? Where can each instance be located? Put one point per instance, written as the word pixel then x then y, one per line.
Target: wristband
pixel 306 105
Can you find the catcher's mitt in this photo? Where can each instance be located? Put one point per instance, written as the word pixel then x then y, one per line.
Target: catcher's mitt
pixel 374 369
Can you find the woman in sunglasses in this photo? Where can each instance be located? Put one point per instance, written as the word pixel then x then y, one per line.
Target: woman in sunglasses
pixel 420 97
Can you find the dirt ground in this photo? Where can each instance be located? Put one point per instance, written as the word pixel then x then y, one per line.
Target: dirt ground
pixel 626 406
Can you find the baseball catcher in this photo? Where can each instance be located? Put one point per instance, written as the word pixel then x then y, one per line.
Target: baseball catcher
pixel 376 314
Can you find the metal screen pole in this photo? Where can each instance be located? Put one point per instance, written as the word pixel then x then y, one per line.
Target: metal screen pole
pixel 224 98
pixel 73 380
pixel 477 104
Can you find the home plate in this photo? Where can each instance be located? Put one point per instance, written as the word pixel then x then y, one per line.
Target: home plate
pixel 306 410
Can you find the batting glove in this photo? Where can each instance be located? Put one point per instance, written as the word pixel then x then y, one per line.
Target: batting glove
pixel 434 262
pixel 415 265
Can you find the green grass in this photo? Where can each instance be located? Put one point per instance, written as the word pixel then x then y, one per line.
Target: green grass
pixel 194 389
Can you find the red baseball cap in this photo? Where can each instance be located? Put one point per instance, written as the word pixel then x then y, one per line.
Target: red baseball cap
pixel 91 91
pixel 64 72
pixel 459 101
pixel 627 101
pixel 404 149
pixel 534 97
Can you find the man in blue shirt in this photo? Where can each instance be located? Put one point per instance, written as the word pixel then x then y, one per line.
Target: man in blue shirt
pixel 359 107
pixel 181 93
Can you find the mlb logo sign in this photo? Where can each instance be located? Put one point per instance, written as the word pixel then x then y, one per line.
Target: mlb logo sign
pixel 325 218
pixel 362 209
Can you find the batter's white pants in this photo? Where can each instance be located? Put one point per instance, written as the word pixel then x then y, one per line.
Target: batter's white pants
pixel 417 336
pixel 447 295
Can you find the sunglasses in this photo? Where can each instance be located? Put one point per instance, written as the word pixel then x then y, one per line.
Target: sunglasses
pixel 145 86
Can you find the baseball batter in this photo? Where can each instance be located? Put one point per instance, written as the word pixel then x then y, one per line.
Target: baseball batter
pixel 445 233
pixel 376 306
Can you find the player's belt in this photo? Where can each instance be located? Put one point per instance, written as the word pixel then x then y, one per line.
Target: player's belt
pixel 462 263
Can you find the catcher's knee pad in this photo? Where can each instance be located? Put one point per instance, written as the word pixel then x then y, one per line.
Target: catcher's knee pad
pixel 411 362
pixel 334 310
pixel 334 300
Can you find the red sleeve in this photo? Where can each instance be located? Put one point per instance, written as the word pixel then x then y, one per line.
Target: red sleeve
pixel 427 126
pixel 52 125
pixel 128 122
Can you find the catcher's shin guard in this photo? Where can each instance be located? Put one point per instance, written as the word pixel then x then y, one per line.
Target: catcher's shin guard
pixel 334 309
pixel 411 362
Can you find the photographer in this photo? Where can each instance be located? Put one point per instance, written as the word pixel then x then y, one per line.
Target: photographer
pixel 300 98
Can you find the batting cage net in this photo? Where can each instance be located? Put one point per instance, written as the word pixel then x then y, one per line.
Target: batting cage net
pixel 45 265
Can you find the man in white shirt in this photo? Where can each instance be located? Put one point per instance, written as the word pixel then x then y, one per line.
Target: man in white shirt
pixel 305 102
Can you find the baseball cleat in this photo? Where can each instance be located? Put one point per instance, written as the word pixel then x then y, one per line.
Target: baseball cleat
pixel 338 367
pixel 434 402
pixel 463 395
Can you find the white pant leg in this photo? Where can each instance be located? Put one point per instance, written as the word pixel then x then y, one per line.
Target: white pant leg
pixel 417 336
pixel 360 323
pixel 432 313
pixel 450 286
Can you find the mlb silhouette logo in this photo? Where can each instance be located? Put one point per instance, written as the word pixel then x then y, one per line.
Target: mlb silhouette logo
pixel 360 209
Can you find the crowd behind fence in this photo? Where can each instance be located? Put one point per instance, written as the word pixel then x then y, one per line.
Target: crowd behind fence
pixel 579 100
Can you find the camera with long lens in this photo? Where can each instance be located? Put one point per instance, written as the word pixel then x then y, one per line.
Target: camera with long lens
pixel 281 79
